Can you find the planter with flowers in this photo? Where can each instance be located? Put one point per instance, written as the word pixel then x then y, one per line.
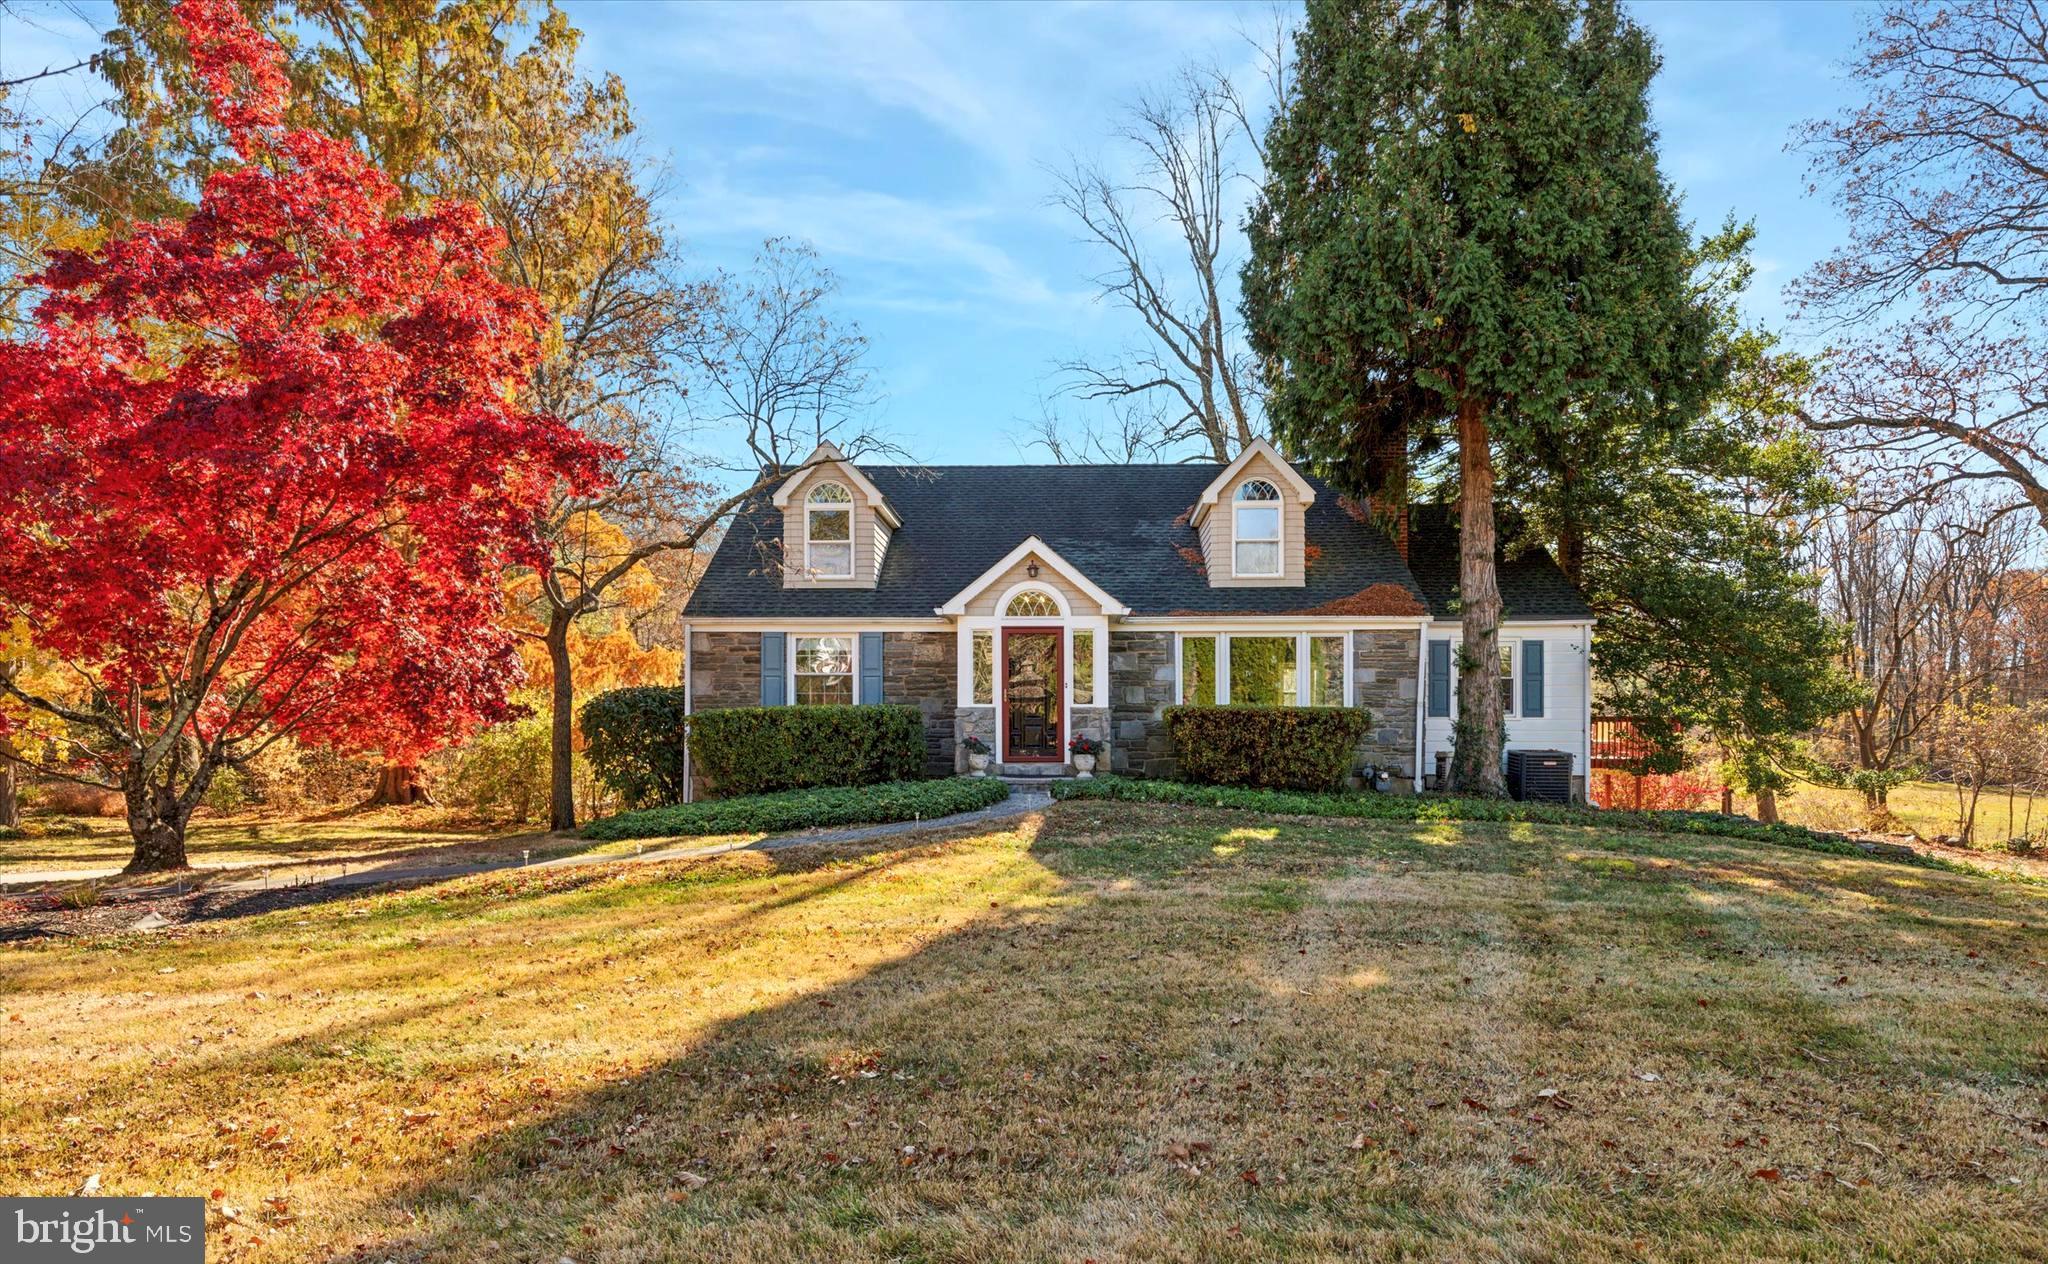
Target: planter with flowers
pixel 978 752
pixel 1084 749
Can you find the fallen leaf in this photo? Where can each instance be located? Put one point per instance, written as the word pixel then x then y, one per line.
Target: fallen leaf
pixel 1248 1176
pixel 1769 1174
pixel 87 1189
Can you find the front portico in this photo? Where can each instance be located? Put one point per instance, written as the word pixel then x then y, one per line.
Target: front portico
pixel 1033 632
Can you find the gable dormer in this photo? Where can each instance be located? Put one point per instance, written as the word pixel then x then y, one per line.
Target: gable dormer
pixel 1253 520
pixel 836 523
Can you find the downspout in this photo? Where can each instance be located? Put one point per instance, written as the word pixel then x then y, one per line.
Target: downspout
pixel 689 661
pixel 1586 733
pixel 1421 694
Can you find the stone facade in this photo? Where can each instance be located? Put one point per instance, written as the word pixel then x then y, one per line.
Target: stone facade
pixel 1383 667
pixel 725 670
pixel 1140 690
pixel 919 668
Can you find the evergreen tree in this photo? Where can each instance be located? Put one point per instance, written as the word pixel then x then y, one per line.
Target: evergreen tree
pixel 1463 222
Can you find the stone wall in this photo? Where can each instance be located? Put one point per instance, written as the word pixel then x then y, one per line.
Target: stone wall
pixel 919 668
pixel 1140 690
pixel 725 670
pixel 1383 667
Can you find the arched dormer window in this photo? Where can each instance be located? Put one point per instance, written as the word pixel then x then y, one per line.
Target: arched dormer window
pixel 1255 539
pixel 828 532
pixel 1032 604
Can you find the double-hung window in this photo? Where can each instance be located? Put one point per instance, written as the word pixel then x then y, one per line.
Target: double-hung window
pixel 1509 694
pixel 822 667
pixel 828 532
pixel 1255 526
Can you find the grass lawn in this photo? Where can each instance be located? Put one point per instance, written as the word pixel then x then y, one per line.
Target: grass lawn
pixel 92 842
pixel 1115 1032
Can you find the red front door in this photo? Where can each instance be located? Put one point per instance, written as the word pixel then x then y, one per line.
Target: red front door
pixel 1033 699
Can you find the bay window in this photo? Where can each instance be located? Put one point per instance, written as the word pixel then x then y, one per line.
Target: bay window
pixel 1262 671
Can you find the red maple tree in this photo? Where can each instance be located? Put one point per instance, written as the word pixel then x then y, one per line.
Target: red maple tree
pixel 261 470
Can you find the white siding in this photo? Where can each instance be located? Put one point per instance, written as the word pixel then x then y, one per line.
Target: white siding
pixel 1566 676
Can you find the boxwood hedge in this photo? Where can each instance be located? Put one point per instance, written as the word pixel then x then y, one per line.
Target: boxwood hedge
pixel 757 750
pixel 1296 748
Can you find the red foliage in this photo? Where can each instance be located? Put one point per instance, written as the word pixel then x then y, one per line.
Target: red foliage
pixel 1682 791
pixel 260 470
pixel 1193 557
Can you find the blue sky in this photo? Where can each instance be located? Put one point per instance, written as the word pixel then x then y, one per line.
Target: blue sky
pixel 908 143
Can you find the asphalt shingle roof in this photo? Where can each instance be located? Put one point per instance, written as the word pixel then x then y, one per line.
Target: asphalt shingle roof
pixel 1124 526
pixel 1531 585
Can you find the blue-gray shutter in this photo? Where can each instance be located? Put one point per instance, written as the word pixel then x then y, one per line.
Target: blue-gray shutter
pixel 1532 679
pixel 1439 677
pixel 774 669
pixel 870 667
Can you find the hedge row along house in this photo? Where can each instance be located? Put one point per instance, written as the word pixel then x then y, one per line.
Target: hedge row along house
pixel 1030 604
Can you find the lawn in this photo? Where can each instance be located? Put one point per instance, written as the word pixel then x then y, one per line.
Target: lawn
pixel 361 835
pixel 1112 1032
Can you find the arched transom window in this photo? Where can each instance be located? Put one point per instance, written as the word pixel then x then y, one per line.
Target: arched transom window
pixel 828 532
pixel 1033 604
pixel 1256 538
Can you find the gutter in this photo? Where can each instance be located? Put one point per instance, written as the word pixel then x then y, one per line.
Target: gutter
pixel 1421 697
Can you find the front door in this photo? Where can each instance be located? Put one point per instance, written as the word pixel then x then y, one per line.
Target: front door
pixel 1031 695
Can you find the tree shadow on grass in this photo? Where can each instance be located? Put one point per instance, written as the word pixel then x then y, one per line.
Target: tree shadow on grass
pixel 1058 1056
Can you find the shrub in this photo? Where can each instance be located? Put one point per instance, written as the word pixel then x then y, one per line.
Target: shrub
pixel 505 771
pixel 806 809
pixel 634 740
pixel 1298 748
pixel 755 750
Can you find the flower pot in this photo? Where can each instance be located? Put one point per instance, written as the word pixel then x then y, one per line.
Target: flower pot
pixel 1084 767
pixel 977 765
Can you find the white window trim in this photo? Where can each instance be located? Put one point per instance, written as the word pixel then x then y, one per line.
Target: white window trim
pixel 789 661
pixel 811 567
pixel 1301 673
pixel 994 625
pixel 1511 706
pixel 1279 541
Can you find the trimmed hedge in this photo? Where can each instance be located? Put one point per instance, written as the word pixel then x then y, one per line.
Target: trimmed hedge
pixel 633 739
pixel 757 750
pixel 806 809
pixel 1295 748
pixel 1364 805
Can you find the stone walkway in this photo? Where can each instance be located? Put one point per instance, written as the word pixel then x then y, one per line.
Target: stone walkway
pixel 344 874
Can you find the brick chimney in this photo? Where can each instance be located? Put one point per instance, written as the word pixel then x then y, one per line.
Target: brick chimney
pixel 1387 468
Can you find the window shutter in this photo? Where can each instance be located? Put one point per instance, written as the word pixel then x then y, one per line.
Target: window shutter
pixel 871 667
pixel 1532 678
pixel 774 669
pixel 1439 677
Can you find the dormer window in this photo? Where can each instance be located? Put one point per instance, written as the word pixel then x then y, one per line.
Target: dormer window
pixel 828 532
pixel 1256 531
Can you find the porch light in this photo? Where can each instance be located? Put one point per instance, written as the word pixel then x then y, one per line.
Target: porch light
pixel 1031 568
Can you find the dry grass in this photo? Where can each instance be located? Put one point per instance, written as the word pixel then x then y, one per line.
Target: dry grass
pixel 85 842
pixel 1130 1034
pixel 1927 808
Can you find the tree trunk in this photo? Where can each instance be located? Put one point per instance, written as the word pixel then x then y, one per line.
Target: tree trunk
pixel 400 785
pixel 562 726
pixel 10 789
pixel 157 818
pixel 1767 805
pixel 1476 752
